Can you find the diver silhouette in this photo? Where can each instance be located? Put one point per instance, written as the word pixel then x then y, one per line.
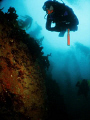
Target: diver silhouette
pixel 83 88
pixel 62 15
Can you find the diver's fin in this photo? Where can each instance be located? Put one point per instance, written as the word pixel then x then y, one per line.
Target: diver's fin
pixel 61 34
pixel 68 37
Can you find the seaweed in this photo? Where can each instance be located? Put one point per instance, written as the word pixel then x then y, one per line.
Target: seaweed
pixel 1 15
pixel 11 14
pixel 55 101
pixel 25 24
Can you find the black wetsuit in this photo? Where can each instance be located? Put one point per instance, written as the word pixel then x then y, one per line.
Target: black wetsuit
pixel 63 16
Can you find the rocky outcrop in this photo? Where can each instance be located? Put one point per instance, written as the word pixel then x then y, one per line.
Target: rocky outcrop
pixel 22 88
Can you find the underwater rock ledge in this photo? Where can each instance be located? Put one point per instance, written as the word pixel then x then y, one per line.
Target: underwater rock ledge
pixel 22 85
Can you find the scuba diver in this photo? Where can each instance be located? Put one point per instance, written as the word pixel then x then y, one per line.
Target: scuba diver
pixel 83 88
pixel 62 15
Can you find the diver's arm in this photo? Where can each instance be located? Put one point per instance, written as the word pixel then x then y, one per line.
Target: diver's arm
pixel 48 25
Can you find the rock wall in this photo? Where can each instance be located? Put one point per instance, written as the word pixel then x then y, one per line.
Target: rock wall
pixel 22 88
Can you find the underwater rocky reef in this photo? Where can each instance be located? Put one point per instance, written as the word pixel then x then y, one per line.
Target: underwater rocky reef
pixel 26 91
pixel 22 88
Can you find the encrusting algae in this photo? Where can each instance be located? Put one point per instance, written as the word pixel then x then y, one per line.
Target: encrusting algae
pixel 22 88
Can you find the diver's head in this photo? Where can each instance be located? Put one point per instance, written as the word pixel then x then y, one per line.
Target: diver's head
pixel 48 7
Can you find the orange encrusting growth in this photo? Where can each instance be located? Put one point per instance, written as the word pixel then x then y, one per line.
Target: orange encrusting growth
pixel 68 37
